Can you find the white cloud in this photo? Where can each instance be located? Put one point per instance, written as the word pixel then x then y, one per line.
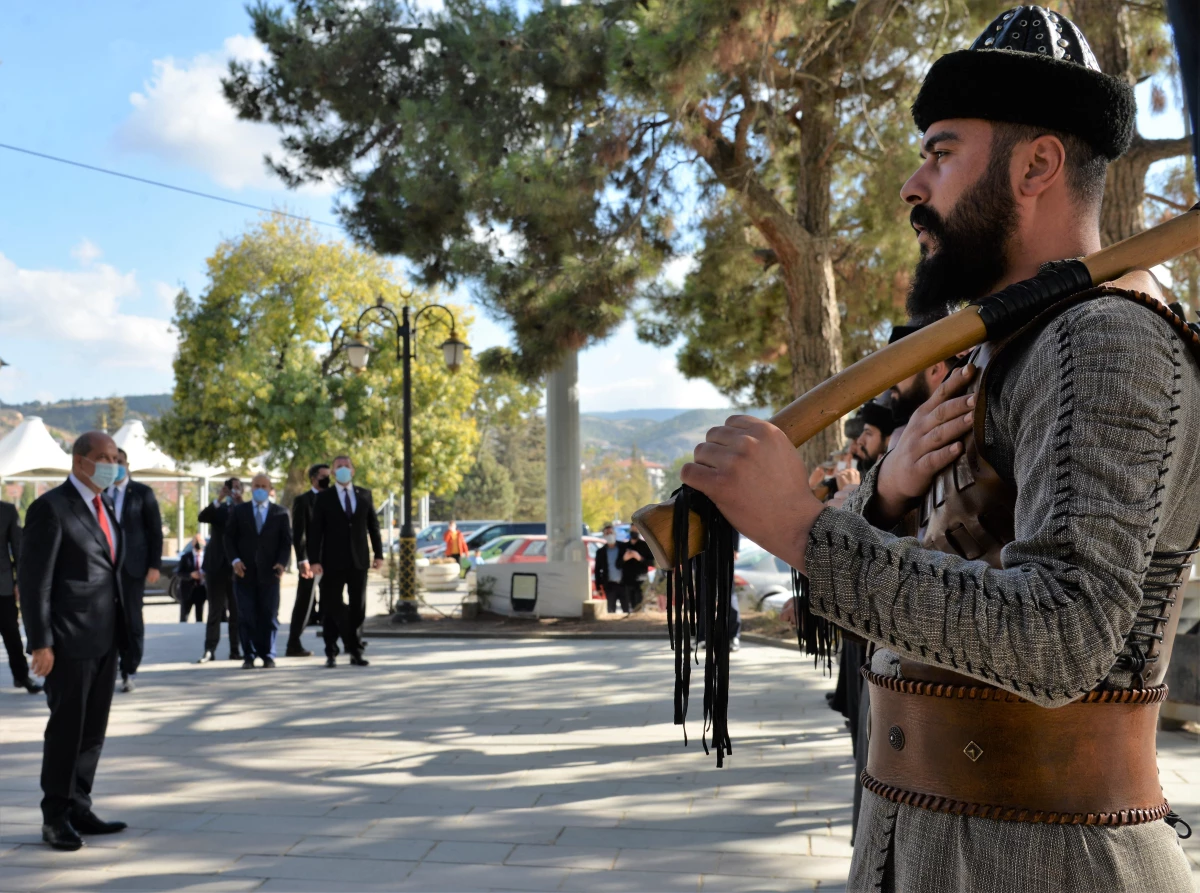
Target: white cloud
pixel 86 252
pixel 181 115
pixel 75 319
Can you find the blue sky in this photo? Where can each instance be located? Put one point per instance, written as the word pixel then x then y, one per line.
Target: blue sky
pixel 89 264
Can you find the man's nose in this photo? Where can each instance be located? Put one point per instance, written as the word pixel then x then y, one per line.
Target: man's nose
pixel 915 191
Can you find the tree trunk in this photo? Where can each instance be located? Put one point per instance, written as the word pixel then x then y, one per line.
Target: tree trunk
pixel 1107 27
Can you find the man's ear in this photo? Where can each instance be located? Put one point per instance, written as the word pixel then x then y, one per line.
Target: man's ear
pixel 1040 163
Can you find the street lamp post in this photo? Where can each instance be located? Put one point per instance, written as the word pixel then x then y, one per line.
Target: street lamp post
pixel 454 352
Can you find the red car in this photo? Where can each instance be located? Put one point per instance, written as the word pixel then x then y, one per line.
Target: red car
pixel 532 548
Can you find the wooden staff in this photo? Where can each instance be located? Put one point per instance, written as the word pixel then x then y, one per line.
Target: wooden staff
pixel 872 375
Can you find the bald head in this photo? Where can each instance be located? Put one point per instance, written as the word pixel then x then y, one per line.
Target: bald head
pixel 92 449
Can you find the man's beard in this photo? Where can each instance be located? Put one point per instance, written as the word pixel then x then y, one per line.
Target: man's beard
pixel 904 405
pixel 972 246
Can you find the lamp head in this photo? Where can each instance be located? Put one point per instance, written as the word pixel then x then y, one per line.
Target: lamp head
pixel 454 351
pixel 358 354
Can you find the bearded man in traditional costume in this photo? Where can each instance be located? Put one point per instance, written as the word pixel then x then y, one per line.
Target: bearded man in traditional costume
pixel 1021 637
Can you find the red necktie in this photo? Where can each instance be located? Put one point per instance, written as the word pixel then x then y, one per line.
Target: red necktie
pixel 102 517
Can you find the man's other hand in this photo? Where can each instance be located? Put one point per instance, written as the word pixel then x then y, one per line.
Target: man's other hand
pixel 279 570
pixel 788 614
pixel 315 570
pixel 305 570
pixel 239 569
pixel 377 563
pixel 930 442
pixel 152 575
pixel 42 661
pixel 195 575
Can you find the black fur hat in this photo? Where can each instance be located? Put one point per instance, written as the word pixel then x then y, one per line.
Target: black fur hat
pixel 1031 66
pixel 880 415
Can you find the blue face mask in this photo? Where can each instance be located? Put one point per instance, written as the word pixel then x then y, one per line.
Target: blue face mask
pixel 260 495
pixel 104 475
pixel 343 475
pixel 121 473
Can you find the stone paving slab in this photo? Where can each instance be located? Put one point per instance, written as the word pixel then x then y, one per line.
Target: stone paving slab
pixel 532 765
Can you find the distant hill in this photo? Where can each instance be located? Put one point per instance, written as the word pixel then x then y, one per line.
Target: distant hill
pixel 662 441
pixel 654 415
pixel 68 418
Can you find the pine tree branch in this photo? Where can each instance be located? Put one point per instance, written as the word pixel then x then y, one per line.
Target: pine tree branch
pixel 1150 151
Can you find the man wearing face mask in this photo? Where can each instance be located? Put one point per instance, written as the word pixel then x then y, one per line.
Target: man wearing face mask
pixel 258 540
pixel 607 572
pixel 302 510
pixel 141 523
pixel 218 574
pixel 343 520
pixel 634 563
pixel 70 582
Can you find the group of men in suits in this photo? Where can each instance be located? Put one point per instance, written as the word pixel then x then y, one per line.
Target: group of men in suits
pixel 334 531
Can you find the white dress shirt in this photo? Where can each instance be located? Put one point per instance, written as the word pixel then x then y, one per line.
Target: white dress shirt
pixel 347 489
pixel 88 497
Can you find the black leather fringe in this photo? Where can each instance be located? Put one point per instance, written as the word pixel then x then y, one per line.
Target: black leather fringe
pixel 816 635
pixel 699 597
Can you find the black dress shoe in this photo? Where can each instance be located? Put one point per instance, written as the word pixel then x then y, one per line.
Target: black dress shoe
pixel 268 663
pixel 235 655
pixel 206 657
pixel 61 836
pixel 297 652
pixel 89 823
pixel 331 661
pixel 359 661
pixel 29 685
pixel 248 664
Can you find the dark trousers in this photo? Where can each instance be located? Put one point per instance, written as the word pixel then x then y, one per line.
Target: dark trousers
pixel 133 592
pixel 300 612
pixel 10 631
pixel 616 593
pixel 258 614
pixel 80 693
pixel 342 619
pixel 220 599
pixel 637 592
pixel 192 598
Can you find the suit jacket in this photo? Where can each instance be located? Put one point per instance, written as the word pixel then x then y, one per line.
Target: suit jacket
pixel 337 543
pixel 260 552
pixel 10 546
pixel 187 564
pixel 70 584
pixel 302 512
pixel 141 524
pixel 600 571
pixel 215 559
pixel 634 571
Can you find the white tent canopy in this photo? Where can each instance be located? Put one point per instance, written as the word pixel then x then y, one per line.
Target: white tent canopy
pixel 144 456
pixel 29 448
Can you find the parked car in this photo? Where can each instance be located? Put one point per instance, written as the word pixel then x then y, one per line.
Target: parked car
pixel 531 549
pixel 762 581
pixel 430 542
pixel 492 550
pixel 166 590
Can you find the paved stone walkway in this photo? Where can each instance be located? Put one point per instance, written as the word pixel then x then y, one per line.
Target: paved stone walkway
pixel 455 765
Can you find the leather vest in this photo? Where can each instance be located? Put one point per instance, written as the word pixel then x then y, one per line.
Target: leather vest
pixel 969 512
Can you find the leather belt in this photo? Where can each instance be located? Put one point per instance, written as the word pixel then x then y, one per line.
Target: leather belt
pixel 977 750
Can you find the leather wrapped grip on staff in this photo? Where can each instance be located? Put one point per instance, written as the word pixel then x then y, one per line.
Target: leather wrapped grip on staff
pixel 989 318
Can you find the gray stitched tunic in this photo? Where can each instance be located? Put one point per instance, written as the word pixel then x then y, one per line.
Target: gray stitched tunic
pixel 1097 421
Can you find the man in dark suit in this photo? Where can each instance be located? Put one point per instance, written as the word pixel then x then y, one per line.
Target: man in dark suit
pixel 10 631
pixel 258 541
pixel 607 574
pixel 218 575
pixel 634 563
pixel 192 593
pixel 343 518
pixel 302 509
pixel 141 523
pixel 70 582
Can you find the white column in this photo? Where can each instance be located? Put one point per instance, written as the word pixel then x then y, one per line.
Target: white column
pixel 205 499
pixel 179 516
pixel 422 513
pixel 564 501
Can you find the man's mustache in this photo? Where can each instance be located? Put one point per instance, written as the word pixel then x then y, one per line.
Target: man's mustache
pixel 928 219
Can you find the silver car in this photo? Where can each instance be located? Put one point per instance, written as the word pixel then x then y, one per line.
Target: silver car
pixel 762 581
